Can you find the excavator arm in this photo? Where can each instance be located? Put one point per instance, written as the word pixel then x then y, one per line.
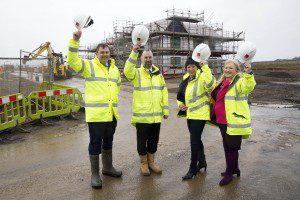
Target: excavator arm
pixel 41 49
pixel 59 69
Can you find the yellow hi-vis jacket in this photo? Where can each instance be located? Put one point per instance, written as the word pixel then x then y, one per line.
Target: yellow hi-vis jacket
pixel 197 94
pixel 102 86
pixel 236 105
pixel 150 94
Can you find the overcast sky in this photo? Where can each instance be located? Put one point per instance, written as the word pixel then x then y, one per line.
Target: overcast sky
pixel 272 25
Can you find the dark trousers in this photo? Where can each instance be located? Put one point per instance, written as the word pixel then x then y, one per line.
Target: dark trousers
pixel 101 136
pixel 197 149
pixel 147 137
pixel 231 143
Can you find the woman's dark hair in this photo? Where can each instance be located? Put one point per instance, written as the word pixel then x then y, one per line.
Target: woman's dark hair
pixel 190 61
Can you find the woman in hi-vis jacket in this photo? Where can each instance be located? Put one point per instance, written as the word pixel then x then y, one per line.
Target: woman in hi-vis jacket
pixel 231 112
pixel 193 102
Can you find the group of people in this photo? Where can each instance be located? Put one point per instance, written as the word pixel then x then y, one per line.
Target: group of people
pixel 200 99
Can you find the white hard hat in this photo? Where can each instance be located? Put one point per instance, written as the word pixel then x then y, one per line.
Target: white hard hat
pixel 201 52
pixel 246 52
pixel 140 34
pixel 83 21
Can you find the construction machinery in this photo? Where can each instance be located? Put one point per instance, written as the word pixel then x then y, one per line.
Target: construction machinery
pixel 60 70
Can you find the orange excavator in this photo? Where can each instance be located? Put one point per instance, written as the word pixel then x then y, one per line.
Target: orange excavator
pixel 60 70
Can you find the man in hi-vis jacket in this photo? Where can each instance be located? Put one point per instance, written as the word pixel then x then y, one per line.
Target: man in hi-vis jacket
pixel 149 106
pixel 102 86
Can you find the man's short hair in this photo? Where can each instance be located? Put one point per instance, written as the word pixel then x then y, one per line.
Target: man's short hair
pixel 147 50
pixel 101 45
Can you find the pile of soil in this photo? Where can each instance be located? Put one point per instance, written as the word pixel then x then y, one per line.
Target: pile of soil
pixel 277 74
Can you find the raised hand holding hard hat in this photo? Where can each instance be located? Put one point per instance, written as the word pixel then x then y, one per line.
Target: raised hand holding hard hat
pixel 136 47
pixel 201 53
pixel 77 35
pixel 247 67
pixel 83 21
pixel 246 52
pixel 140 35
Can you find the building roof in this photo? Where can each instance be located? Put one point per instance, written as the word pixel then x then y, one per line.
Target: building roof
pixel 169 26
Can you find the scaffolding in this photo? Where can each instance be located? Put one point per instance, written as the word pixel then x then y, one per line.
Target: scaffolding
pixel 173 39
pixel 121 43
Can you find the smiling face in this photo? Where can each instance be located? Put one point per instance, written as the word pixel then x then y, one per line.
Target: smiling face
pixel 191 69
pixel 230 70
pixel 146 58
pixel 103 54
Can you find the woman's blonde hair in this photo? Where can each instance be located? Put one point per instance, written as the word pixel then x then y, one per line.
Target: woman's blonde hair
pixel 235 63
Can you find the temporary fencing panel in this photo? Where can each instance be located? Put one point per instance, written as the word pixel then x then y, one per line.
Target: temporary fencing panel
pixel 9 76
pixel 47 86
pixel 76 101
pixel 12 111
pixel 23 74
pixel 48 103
pixel 32 77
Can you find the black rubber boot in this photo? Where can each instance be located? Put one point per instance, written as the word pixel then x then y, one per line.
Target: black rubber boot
pixel 108 169
pixel 96 181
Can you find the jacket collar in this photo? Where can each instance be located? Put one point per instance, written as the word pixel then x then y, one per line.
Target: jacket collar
pixel 234 81
pixel 155 69
pixel 111 63
pixel 198 72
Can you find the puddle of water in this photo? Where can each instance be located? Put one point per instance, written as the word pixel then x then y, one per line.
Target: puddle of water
pixel 273 105
pixel 286 83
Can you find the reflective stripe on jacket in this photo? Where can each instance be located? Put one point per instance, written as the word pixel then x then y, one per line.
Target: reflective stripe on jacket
pixel 102 86
pixel 197 94
pixel 150 94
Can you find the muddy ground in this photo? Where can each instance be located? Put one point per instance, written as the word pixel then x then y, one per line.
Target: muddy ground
pixel 51 162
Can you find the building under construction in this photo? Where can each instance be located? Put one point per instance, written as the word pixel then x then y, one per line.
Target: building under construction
pixel 173 39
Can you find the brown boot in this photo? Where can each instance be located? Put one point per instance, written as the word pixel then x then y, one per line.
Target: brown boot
pixel 144 165
pixel 152 165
